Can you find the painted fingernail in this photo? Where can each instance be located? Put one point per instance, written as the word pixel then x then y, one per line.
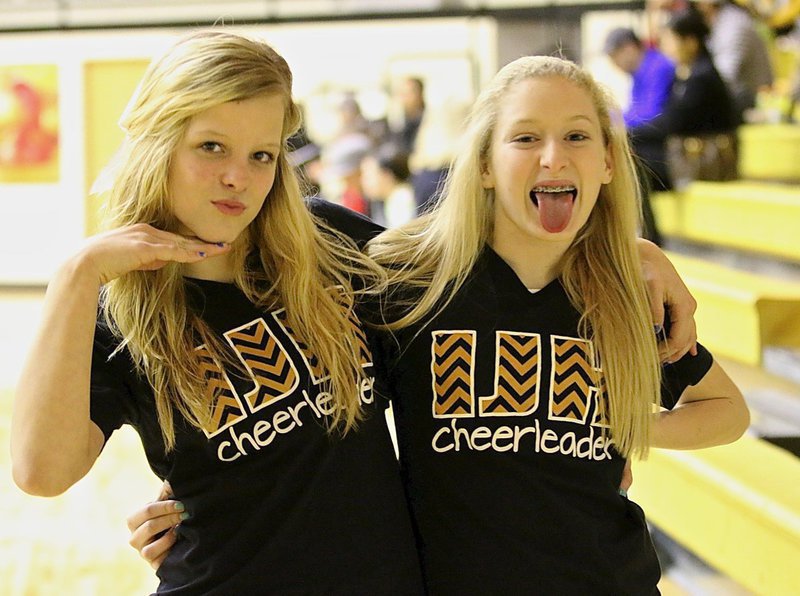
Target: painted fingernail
pixel 220 244
pixel 623 492
pixel 658 329
pixel 201 253
pixel 179 506
pixel 184 516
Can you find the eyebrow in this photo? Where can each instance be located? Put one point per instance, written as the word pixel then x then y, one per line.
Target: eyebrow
pixel 215 133
pixel 522 121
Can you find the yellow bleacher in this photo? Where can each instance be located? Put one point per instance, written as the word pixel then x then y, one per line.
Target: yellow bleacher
pixel 769 152
pixel 761 217
pixel 736 506
pixel 739 312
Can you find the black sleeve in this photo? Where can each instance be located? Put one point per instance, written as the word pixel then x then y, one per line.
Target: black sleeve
pixel 358 227
pixel 676 377
pixel 111 403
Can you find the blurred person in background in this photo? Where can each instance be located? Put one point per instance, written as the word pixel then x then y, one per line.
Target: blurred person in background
pixel 739 52
pixel 306 156
pixel 409 93
pixel 384 177
pixel 341 171
pixel 652 76
pixel 349 116
pixel 435 146
pixel 699 107
pixel 205 318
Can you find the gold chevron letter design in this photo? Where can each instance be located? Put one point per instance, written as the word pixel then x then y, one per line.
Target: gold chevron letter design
pixel 267 361
pixel 516 381
pixel 452 367
pixel 315 369
pixel 572 388
pixel 227 409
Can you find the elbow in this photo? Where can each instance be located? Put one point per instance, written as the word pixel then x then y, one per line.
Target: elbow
pixel 742 421
pixel 30 479
pixel 739 421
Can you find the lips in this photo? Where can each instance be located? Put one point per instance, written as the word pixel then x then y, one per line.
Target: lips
pixel 229 207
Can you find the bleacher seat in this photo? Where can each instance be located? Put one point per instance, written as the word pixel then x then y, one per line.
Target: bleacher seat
pixel 737 507
pixel 739 312
pixel 769 152
pixel 753 216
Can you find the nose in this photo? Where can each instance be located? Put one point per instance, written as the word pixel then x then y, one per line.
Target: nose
pixel 235 175
pixel 553 157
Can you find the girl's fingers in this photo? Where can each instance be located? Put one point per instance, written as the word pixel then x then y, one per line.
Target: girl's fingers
pixel 151 531
pixel 143 247
pixel 154 510
pixel 155 552
pixel 178 248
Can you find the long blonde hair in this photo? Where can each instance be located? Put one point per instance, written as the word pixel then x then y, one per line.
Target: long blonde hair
pixel 284 258
pixel 600 271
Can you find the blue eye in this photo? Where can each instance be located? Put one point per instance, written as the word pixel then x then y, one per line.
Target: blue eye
pixel 211 147
pixel 264 157
pixel 577 136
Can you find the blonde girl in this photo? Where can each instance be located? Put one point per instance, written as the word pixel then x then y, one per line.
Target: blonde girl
pixel 216 317
pixel 523 365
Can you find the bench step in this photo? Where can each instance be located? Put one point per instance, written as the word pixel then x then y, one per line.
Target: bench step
pixel 736 506
pixel 739 312
pixel 769 152
pixel 753 216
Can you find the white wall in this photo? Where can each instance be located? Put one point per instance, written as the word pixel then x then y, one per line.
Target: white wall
pixel 41 223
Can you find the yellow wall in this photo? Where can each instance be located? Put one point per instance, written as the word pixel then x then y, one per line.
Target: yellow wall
pixel 108 87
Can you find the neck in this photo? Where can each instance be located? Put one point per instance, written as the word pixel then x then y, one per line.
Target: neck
pixel 219 268
pixel 536 262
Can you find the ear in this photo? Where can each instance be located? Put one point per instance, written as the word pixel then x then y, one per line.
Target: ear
pixel 487 176
pixel 608 173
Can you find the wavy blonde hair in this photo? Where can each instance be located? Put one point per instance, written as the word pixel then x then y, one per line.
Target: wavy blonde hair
pixel 600 271
pixel 284 258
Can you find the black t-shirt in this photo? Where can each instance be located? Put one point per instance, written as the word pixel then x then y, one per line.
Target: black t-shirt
pixel 278 504
pixel 512 484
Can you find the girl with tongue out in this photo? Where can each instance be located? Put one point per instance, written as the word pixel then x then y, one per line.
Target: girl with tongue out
pixel 522 362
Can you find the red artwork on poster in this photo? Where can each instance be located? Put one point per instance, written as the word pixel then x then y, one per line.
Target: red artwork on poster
pixel 29 123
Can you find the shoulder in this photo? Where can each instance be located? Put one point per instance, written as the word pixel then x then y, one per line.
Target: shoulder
pixel 732 16
pixel 348 222
pixel 703 68
pixel 660 62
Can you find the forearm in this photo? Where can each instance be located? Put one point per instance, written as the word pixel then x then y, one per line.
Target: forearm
pixel 53 441
pixel 700 424
pixel 712 412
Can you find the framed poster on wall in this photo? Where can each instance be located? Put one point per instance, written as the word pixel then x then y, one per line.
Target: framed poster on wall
pixel 29 124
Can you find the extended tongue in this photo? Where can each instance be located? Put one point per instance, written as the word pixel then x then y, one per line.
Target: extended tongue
pixel 555 209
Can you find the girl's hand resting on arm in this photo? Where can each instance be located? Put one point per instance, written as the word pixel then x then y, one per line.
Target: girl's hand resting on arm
pixel 666 289
pixel 153 528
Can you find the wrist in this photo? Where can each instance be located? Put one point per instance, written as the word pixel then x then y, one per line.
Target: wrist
pixel 80 271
